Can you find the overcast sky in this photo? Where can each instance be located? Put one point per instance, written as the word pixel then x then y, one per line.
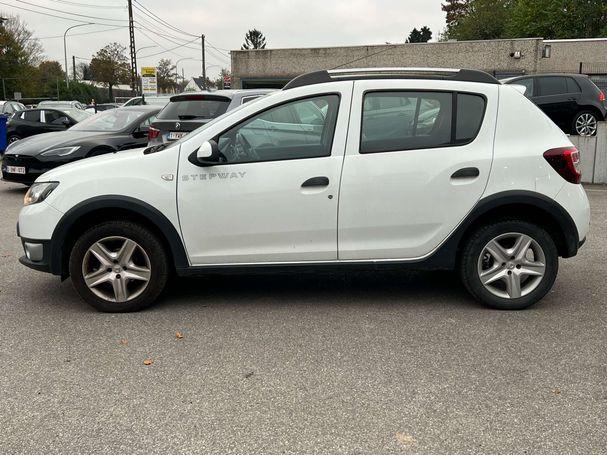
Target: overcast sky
pixel 285 23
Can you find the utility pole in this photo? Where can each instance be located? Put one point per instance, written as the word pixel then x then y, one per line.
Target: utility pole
pixel 204 70
pixel 133 54
pixel 74 66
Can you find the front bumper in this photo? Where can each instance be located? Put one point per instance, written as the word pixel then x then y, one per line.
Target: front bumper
pixel 34 168
pixel 37 254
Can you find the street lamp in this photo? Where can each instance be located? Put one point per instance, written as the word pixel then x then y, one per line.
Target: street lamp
pixel 180 60
pixel 67 79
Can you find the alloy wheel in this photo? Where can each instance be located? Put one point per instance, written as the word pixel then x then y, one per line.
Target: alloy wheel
pixel 586 125
pixel 511 265
pixel 116 269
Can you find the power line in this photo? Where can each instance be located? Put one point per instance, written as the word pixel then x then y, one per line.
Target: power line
pixel 158 19
pixel 86 5
pixel 54 15
pixel 72 14
pixel 168 50
pixel 156 42
pixel 84 33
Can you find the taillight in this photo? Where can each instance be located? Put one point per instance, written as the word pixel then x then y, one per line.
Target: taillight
pixel 153 133
pixel 565 161
pixel 602 97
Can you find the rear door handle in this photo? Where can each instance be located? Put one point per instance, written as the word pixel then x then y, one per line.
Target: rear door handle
pixel 315 181
pixel 466 173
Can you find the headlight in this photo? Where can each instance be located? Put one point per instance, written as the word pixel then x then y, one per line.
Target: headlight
pixel 62 151
pixel 38 192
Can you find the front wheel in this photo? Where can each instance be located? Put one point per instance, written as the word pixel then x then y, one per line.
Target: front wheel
pixel 118 266
pixel 585 124
pixel 13 138
pixel 509 265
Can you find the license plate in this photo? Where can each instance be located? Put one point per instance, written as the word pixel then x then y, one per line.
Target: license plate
pixel 175 135
pixel 15 169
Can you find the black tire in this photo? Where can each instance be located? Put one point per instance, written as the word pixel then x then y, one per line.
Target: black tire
pixel 153 252
pixel 474 246
pixel 588 114
pixel 12 138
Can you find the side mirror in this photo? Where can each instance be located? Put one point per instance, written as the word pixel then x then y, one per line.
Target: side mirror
pixel 207 154
pixel 140 134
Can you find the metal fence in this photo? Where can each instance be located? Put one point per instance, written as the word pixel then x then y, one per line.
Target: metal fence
pixel 597 72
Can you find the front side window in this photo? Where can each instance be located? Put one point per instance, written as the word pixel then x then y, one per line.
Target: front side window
pixel 295 130
pixel 53 117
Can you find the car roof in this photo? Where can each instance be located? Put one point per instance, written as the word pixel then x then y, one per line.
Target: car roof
pixel 351 74
pixel 574 75
pixel 227 93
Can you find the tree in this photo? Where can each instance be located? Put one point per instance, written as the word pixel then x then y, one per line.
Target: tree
pixel 20 53
pixel 254 39
pixel 456 10
pixel 110 66
pixel 165 73
pixel 484 20
pixel 420 36
pixel 553 20
pixel 83 72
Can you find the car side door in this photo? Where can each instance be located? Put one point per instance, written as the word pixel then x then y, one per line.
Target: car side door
pixel 53 120
pixel 27 123
pixel 555 99
pixel 272 202
pixel 410 179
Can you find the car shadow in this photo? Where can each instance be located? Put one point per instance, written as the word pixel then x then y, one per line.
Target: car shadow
pixel 318 288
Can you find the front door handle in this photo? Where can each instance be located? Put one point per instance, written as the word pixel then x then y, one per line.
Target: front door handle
pixel 466 173
pixel 315 181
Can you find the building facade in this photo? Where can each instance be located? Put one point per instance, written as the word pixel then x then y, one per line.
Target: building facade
pixel 272 68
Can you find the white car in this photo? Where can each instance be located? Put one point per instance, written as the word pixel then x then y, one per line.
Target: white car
pixel 472 177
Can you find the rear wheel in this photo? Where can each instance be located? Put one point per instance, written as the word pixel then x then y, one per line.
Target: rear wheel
pixel 118 266
pixel 509 265
pixel 585 123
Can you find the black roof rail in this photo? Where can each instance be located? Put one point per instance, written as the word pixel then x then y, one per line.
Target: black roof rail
pixel 319 77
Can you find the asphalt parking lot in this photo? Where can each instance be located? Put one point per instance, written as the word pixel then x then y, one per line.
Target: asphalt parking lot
pixel 328 363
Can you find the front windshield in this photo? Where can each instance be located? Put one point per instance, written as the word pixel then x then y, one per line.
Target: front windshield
pixel 110 121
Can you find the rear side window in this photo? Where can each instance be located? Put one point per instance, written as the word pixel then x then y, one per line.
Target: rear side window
pixel 572 86
pixel 554 85
pixel 194 107
pixel 397 121
pixel 529 85
pixel 470 112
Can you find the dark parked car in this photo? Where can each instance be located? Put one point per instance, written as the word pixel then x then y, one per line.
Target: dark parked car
pixel 106 132
pixel 36 121
pixel 572 101
pixel 188 111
